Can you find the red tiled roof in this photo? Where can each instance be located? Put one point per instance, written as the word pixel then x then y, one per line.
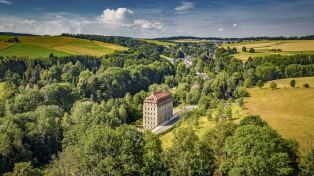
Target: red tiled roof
pixel 196 86
pixel 158 96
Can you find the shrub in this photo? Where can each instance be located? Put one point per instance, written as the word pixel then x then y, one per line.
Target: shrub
pixel 252 50
pixel 273 85
pixel 306 85
pixel 292 83
pixel 248 83
pixel 260 83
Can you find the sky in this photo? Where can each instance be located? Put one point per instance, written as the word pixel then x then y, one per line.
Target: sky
pixel 159 18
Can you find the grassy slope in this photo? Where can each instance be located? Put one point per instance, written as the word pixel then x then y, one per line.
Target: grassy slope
pixel 204 126
pixel 42 46
pixel 158 42
pixel 201 129
pixel 288 110
pixel 288 47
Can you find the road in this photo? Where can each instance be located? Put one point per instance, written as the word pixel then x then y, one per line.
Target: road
pixel 167 125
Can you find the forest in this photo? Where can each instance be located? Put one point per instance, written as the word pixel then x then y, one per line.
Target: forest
pixel 73 115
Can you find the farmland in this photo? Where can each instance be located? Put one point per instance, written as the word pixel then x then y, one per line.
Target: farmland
pixel 159 42
pixel 42 46
pixel 288 47
pixel 288 110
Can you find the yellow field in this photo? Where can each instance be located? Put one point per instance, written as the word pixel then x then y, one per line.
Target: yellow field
pixel 6 45
pixel 158 42
pixel 288 47
pixel 288 110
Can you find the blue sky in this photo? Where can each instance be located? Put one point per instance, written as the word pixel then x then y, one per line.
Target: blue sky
pixel 162 18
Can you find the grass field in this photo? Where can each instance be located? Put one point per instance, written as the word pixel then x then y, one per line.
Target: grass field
pixel 203 126
pixel 288 110
pixel 288 47
pixel 42 46
pixel 159 42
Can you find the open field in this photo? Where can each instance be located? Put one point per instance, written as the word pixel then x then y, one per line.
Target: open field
pixel 42 46
pixel 288 47
pixel 288 110
pixel 159 42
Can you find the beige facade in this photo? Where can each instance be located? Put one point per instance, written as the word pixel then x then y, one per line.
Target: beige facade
pixel 156 109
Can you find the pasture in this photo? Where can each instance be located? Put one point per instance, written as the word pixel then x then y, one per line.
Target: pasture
pixel 288 110
pixel 288 47
pixel 42 46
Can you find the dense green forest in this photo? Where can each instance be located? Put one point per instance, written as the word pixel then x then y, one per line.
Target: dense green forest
pixel 72 115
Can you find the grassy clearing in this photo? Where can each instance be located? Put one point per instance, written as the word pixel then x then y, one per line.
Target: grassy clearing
pixel 201 128
pixel 288 110
pixel 288 47
pixel 39 46
pixel 159 42
pixel 204 125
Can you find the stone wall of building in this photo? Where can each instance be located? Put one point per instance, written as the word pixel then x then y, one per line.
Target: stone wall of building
pixel 155 113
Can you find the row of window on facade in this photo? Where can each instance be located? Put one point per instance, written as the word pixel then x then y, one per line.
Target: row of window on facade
pixel 150 122
pixel 150 109
pixel 149 118
pixel 150 113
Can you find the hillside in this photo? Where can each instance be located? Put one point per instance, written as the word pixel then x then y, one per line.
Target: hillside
pixel 42 46
pixel 262 48
pixel 158 42
pixel 288 110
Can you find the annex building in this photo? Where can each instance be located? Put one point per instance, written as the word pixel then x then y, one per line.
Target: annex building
pixel 157 108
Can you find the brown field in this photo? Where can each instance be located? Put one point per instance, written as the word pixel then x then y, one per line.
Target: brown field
pixel 78 50
pixel 6 45
pixel 284 45
pixel 111 46
pixel 288 110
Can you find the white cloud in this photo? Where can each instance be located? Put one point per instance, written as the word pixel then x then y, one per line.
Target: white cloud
pixel 185 7
pixel 115 16
pixel 6 2
pixel 110 22
pixel 145 25
pixel 235 25
pixel 220 29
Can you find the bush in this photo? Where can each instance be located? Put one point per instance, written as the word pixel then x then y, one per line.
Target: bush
pixel 292 83
pixel 273 85
pixel 260 83
pixel 248 83
pixel 306 85
pixel 252 50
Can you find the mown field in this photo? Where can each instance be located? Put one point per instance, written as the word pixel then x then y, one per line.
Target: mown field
pixel 42 46
pixel 159 42
pixel 288 47
pixel 288 110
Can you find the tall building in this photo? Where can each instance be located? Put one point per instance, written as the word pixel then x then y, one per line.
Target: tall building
pixel 157 108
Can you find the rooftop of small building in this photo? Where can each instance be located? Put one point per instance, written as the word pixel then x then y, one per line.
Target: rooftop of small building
pixel 157 96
